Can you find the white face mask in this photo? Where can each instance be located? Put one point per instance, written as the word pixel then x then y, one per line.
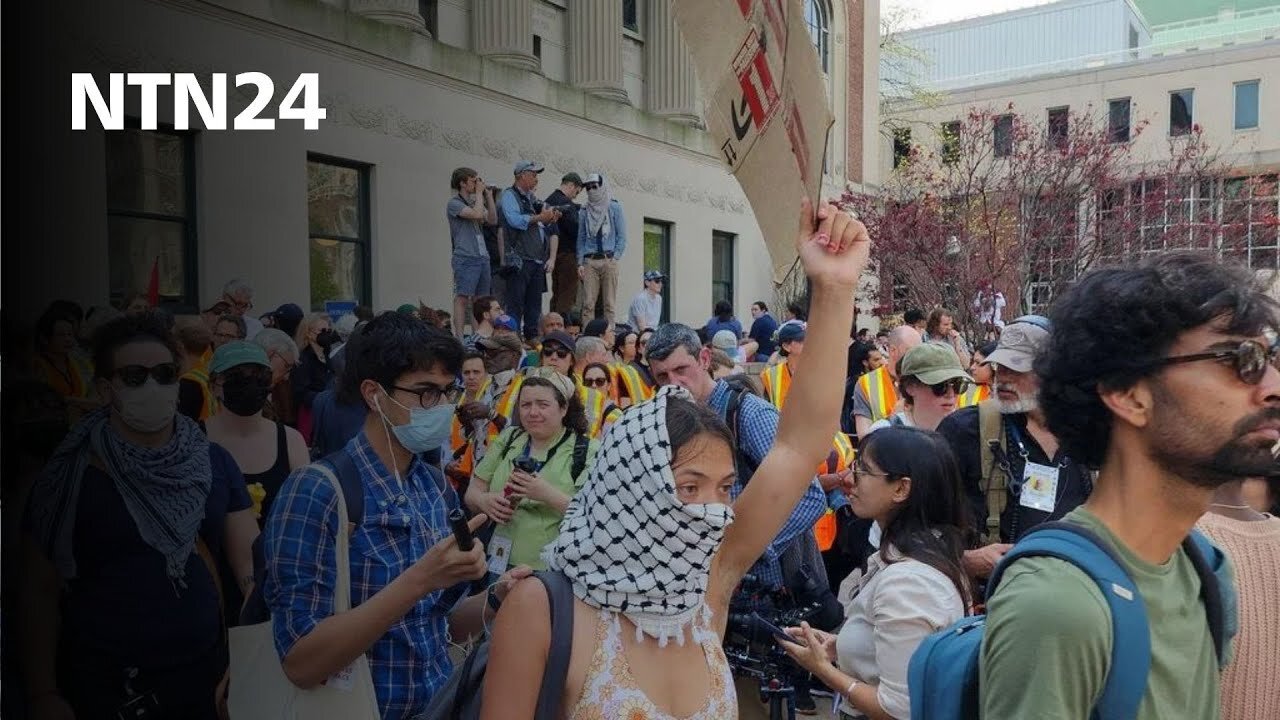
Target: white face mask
pixel 595 195
pixel 147 408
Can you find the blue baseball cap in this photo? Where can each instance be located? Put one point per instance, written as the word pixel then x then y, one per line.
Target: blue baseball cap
pixel 791 332
pixel 528 166
pixel 505 321
pixel 654 275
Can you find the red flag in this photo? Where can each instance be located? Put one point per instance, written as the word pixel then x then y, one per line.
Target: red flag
pixel 153 285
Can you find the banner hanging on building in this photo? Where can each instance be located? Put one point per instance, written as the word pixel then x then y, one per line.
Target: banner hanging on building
pixel 765 104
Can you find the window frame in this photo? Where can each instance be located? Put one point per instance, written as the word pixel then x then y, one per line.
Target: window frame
pixel 190 303
pixel 1112 129
pixel 1174 95
pixel 950 136
pixel 731 241
pixel 901 146
pixel 666 230
pixel 820 31
pixel 1063 138
pixel 1257 104
pixel 365 195
pixel 1007 119
pixel 635 11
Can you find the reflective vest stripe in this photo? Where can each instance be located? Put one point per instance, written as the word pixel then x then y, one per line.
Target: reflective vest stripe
pixel 777 383
pixel 881 393
pixel 208 404
pixel 974 395
pixel 628 378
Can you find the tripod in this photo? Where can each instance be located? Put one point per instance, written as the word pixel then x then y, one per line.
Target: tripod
pixel 779 693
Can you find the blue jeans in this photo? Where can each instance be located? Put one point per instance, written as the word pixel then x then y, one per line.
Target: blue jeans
pixel 524 294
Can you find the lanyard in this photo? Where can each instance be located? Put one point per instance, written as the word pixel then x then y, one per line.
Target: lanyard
pixel 527 453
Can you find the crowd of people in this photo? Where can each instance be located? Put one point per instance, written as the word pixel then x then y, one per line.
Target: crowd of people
pixel 170 479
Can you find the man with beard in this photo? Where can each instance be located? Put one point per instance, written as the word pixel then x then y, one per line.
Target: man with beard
pixel 1015 446
pixel 1164 378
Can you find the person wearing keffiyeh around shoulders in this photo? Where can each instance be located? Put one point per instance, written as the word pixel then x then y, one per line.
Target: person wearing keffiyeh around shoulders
pixel 651 545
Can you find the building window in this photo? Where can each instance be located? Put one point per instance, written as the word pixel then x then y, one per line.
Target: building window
pixel 722 266
pixel 537 46
pixel 1002 137
pixel 430 16
pixel 1059 126
pixel 901 146
pixel 1246 105
pixel 630 15
pixel 338 223
pixel 1180 112
pixel 151 224
pixel 818 17
pixel 951 141
pixel 1118 120
pixel 657 256
pixel 1250 207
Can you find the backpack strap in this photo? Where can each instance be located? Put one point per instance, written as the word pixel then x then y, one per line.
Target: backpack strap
pixel 993 445
pixel 1130 662
pixel 1216 591
pixel 580 445
pixel 560 598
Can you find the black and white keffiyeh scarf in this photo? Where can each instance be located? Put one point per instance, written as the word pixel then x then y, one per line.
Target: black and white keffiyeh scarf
pixel 627 543
pixel 163 488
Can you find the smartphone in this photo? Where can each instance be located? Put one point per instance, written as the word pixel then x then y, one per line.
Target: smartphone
pixel 772 629
pixel 461 531
pixel 525 464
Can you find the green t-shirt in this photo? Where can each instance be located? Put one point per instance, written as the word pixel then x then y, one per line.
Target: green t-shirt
pixel 534 524
pixel 1047 644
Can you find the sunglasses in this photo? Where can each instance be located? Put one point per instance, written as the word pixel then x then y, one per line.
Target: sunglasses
pixel 556 350
pixel 958 385
pixel 1250 359
pixel 596 382
pixel 591 186
pixel 136 375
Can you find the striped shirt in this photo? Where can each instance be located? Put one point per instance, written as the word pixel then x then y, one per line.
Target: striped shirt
pixel 401 522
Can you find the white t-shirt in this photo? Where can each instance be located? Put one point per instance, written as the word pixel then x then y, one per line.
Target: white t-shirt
pixel 904 421
pixel 646 310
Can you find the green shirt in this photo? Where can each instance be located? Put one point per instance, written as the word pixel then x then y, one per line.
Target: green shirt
pixel 1047 644
pixel 534 524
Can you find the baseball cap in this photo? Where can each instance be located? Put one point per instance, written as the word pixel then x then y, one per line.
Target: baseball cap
pixel 571 177
pixel 505 321
pixel 654 275
pixel 238 352
pixel 594 178
pixel 791 332
pixel 562 337
pixel 932 363
pixel 526 166
pixel 1019 342
pixel 287 312
pixel 502 342
pixel 596 328
pixel 725 340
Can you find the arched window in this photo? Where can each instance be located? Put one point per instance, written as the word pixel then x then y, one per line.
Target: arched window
pixel 817 15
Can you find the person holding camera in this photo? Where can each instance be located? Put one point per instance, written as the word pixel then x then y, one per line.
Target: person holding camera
pixel 531 240
pixel 467 212
pixel 602 239
pixel 312 375
pixel 526 480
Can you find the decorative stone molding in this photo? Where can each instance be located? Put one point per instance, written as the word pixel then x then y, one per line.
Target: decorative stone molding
pixel 670 83
pixel 393 12
pixel 595 48
pixel 502 30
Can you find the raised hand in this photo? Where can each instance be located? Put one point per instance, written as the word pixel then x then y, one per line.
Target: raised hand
pixel 834 248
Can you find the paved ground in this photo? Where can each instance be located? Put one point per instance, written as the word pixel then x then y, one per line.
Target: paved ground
pixel 750 707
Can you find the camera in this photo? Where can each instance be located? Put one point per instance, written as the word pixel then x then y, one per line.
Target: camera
pixel 749 642
pixel 525 464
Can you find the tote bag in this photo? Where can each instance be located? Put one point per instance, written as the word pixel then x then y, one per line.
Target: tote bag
pixel 260 690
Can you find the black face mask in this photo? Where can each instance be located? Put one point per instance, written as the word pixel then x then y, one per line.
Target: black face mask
pixel 244 396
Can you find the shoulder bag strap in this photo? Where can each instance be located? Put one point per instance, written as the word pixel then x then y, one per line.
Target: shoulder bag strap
pixel 992 443
pixel 1208 561
pixel 580 446
pixel 560 598
pixel 342 545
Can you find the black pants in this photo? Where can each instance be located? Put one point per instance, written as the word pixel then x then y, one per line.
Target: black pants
pixel 524 294
pixel 96 687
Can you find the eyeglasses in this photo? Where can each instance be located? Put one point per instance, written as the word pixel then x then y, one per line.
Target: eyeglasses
pixel 136 375
pixel 227 336
pixel 433 395
pixel 957 385
pixel 1251 359
pixel 560 352
pixel 591 186
pixel 859 472
pixel 596 382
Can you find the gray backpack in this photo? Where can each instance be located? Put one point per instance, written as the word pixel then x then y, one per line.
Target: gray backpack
pixel 459 698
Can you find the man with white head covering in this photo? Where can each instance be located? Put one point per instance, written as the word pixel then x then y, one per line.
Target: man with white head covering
pixel 602 238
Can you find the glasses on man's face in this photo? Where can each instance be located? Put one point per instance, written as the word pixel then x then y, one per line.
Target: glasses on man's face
pixel 596 382
pixel 1250 359
pixel 136 375
pixel 558 351
pixel 956 385
pixel 433 395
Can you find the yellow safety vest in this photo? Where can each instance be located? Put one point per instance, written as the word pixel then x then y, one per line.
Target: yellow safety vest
pixel 597 405
pixel 626 379
pixel 200 376
pixel 881 392
pixel 974 395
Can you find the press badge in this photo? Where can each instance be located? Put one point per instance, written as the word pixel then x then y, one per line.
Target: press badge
pixel 499 554
pixel 1039 487
pixel 342 680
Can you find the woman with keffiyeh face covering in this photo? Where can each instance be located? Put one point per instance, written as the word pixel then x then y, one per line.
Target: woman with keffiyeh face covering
pixel 650 544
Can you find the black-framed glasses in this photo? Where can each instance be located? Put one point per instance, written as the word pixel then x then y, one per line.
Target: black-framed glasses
pixel 560 352
pixel 136 375
pixel 433 395
pixel 957 385
pixel 591 186
pixel 596 382
pixel 1250 359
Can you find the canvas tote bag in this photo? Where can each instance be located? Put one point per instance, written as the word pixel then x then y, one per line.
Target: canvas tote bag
pixel 259 689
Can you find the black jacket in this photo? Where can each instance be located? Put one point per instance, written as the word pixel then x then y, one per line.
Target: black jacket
pixel 1074 481
pixel 567 225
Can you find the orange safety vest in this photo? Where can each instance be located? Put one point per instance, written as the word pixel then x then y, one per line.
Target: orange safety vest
pixel 456 437
pixel 881 392
pixel 974 395
pixel 75 384
pixel 200 376
pixel 777 383
pixel 627 381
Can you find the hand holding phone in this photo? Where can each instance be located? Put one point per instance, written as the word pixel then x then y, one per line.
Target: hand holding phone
pixel 777 632
pixel 461 532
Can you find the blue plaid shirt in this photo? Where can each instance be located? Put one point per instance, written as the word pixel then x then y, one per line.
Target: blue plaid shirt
pixel 757 428
pixel 410 662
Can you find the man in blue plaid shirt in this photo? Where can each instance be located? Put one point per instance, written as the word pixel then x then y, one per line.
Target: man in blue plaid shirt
pixel 677 357
pixel 408 577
